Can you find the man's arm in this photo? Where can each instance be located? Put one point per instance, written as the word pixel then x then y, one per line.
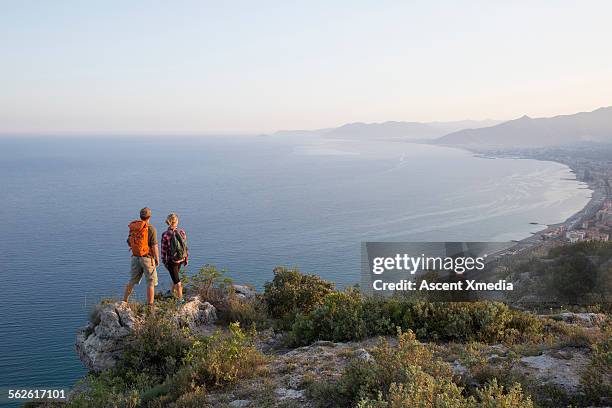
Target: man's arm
pixel 156 254
pixel 153 245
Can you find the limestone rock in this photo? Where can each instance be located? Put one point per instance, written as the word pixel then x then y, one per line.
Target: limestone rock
pixel 287 393
pixel 244 291
pixel 196 313
pixel 101 342
pixel 240 403
pixel 561 368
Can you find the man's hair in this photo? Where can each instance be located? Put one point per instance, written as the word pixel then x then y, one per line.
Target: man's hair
pixel 145 213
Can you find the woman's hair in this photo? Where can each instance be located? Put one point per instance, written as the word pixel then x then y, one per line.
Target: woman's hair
pixel 171 219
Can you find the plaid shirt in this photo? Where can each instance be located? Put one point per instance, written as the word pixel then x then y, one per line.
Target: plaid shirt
pixel 165 246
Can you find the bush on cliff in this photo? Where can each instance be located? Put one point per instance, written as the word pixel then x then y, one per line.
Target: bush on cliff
pixel 211 283
pixel 248 312
pixel 291 292
pixel 157 348
pixel 220 359
pixel 164 364
pixel 344 316
pixel 211 361
pixel 408 375
pixel 338 318
pixel 213 286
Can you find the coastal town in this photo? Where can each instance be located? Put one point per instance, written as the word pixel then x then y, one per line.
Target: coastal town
pixel 592 165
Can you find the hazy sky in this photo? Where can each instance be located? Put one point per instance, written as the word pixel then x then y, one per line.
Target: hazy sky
pixel 197 66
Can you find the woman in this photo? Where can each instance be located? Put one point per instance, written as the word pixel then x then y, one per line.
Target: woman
pixel 174 252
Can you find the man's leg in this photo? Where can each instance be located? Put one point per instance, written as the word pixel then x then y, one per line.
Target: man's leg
pixel 135 275
pixel 128 292
pixel 150 294
pixel 179 289
pixel 148 265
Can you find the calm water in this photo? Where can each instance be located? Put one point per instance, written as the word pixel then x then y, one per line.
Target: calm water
pixel 247 204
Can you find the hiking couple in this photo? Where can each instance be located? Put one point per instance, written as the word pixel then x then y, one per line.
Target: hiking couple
pixel 142 240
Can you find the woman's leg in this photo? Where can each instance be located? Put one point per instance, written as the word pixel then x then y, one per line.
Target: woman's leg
pixel 177 287
pixel 171 271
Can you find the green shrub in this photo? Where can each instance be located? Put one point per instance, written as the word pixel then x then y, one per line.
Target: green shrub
pixel 291 291
pixel 523 327
pixel 381 316
pixel 210 282
pixel 565 334
pixel 364 380
pixel 156 349
pixel 338 318
pixel 343 316
pixel 458 321
pixel 219 358
pixel 193 399
pixel 421 390
pixel 247 312
pixel 409 375
pixel 492 395
pixel 105 390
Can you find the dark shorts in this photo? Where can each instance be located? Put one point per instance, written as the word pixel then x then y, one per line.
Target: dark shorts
pixel 174 269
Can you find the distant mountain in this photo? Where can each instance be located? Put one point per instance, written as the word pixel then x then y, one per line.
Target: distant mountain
pixel 386 129
pixel 593 126
pixel 449 127
pixel 404 130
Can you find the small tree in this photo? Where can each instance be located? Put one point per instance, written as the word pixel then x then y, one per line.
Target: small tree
pixel 208 278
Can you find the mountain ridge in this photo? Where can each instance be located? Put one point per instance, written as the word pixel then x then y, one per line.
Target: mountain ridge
pixel 393 129
pixel 593 126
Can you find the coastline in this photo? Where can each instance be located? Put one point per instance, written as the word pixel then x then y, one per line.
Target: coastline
pixel 534 240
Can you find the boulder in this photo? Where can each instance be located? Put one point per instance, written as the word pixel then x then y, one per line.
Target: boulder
pixel 195 314
pixel 101 343
pixel 244 291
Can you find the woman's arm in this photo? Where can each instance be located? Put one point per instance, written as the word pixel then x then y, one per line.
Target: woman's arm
pixel 164 248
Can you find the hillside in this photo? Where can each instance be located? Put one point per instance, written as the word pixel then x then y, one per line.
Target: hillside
pixel 595 126
pixel 303 343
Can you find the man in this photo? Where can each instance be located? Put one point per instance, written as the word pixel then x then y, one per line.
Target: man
pixel 142 240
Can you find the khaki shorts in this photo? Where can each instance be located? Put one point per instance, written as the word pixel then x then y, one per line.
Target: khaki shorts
pixel 143 265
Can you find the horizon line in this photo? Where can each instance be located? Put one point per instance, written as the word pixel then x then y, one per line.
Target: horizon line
pixel 197 133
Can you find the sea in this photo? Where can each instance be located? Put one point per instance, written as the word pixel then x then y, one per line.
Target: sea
pixel 247 203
